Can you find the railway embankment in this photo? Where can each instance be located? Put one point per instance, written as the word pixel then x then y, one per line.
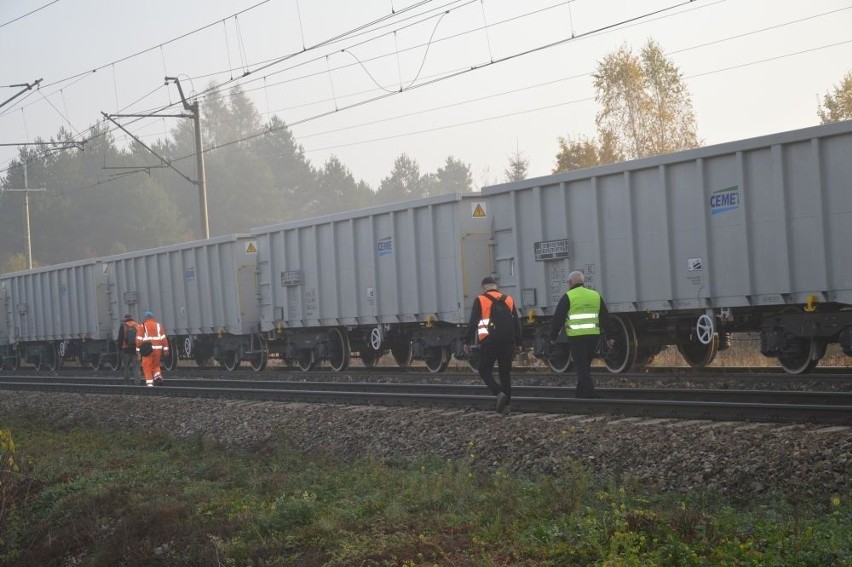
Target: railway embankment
pixel 738 459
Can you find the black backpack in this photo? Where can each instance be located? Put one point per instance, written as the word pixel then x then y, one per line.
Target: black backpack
pixel 129 338
pixel 501 323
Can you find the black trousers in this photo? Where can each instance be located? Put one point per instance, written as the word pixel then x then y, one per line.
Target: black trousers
pixel 583 351
pixel 492 350
pixel 130 364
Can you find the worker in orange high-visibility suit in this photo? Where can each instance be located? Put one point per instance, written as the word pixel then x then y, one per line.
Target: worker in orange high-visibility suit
pixel 151 344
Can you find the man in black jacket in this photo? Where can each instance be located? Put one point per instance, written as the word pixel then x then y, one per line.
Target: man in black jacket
pixel 127 345
pixel 496 343
pixel 580 314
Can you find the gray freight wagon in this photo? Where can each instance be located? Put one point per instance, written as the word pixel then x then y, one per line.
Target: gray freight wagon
pixel 398 278
pixel 203 292
pixel 57 313
pixel 688 247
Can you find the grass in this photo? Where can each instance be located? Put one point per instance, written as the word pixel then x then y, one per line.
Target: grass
pixel 93 497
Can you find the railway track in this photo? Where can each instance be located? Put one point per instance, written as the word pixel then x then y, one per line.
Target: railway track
pixel 453 370
pixel 706 404
pixel 827 379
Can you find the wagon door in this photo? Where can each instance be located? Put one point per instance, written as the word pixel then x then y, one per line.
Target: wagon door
pixel 102 299
pixel 248 296
pixel 4 319
pixel 477 262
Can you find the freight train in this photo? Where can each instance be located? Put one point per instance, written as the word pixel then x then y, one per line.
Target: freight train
pixel 686 248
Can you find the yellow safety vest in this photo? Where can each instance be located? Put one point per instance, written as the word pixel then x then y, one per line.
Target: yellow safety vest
pixel 583 312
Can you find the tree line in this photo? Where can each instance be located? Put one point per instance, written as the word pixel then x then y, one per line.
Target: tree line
pixel 644 109
pixel 260 181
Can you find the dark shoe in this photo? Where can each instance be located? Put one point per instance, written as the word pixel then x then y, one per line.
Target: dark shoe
pixel 502 402
pixel 158 381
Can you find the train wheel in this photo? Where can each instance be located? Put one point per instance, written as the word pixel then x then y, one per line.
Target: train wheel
pixel 806 360
pixel 14 361
pixel 60 355
pixel 339 352
pixel 622 355
pixel 473 359
pixel 699 355
pixel 113 361
pixel 51 357
pixel 402 354
pixel 307 362
pixel 259 356
pixel 37 364
pixel 230 360
pixel 437 359
pixel 259 359
pixel 95 362
pixel 560 360
pixel 370 357
pixel 170 360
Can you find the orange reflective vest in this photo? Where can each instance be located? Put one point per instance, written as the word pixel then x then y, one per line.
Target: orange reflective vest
pixel 153 332
pixel 490 297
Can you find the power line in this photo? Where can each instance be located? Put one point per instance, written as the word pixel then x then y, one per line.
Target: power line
pixel 453 74
pixel 159 45
pixel 78 77
pixel 445 77
pixel 549 107
pixel 460 73
pixel 218 88
pixel 364 28
pixel 28 13
pixel 467 123
pixel 264 64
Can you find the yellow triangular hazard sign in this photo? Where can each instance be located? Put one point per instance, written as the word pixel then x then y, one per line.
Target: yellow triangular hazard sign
pixel 478 211
pixel 251 248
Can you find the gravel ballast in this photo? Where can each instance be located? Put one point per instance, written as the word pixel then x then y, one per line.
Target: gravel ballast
pixel 735 458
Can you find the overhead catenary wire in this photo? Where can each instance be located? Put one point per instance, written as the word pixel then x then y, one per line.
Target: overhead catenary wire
pixel 443 12
pixel 266 131
pixel 302 27
pixel 159 45
pixel 30 13
pixel 241 44
pixel 267 63
pixel 59 112
pixel 80 76
pixel 445 127
pixel 361 32
pixel 693 47
pixel 228 48
pixel 510 20
pixel 302 63
pixel 742 34
pixel 485 27
pixel 540 108
pixel 465 71
pixel 791 22
pixel 414 47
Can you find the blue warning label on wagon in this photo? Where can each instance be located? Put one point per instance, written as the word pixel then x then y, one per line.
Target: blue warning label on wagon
pixel 725 200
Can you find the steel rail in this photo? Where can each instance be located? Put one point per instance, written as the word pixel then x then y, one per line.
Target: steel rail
pixel 675 409
pixel 563 392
